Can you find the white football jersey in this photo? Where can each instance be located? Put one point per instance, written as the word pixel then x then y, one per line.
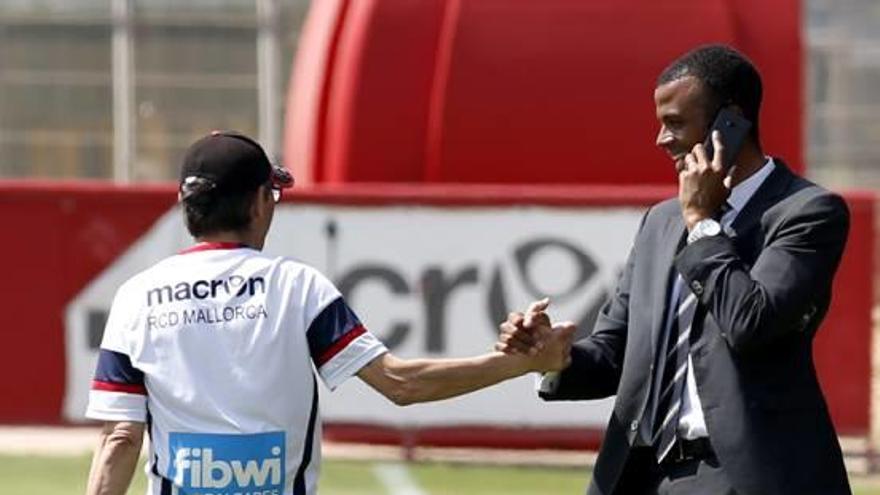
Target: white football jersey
pixel 215 349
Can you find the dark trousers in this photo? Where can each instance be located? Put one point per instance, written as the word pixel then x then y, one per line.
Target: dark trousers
pixel 643 476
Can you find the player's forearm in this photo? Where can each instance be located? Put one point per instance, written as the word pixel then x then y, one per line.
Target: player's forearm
pixel 409 381
pixel 115 459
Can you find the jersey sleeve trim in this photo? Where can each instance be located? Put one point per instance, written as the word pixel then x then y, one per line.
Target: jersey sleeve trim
pixel 118 390
pixel 339 345
pixel 330 331
pixel 117 406
pixel 115 369
pixel 348 362
pixel 119 387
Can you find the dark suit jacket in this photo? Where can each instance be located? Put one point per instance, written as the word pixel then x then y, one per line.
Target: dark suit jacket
pixel 762 293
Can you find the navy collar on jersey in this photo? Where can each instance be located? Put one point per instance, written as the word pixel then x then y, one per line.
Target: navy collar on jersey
pixel 209 246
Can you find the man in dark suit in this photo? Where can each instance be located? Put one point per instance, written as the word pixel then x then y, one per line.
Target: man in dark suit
pixel 707 339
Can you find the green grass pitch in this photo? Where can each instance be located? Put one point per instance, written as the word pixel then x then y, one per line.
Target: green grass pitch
pixel 67 476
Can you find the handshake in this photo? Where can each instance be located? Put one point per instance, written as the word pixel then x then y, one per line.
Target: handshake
pixel 545 346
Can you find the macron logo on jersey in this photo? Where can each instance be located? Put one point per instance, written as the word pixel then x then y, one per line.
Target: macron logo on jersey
pixel 234 285
pixel 220 464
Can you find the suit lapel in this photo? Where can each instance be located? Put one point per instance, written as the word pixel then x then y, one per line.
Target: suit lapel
pixel 671 240
pixel 766 196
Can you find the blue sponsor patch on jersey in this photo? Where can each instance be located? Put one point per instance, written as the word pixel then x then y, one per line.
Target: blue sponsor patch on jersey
pixel 218 464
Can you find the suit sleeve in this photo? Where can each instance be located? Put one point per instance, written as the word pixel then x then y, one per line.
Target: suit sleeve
pixel 597 360
pixel 786 290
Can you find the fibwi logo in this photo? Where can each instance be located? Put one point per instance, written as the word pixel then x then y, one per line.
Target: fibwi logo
pixel 217 464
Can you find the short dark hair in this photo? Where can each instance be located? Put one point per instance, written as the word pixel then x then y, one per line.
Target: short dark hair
pixel 220 176
pixel 209 213
pixel 730 77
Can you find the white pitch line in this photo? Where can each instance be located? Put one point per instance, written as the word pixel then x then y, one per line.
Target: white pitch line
pixel 397 480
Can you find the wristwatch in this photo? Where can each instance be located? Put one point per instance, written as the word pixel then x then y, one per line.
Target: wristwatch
pixel 706 227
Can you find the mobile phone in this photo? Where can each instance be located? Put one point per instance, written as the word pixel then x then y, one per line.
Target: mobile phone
pixel 733 128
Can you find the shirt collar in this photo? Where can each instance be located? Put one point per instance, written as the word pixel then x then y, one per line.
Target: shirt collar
pixel 743 192
pixel 211 246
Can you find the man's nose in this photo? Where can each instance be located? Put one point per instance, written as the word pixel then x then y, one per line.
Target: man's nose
pixel 664 138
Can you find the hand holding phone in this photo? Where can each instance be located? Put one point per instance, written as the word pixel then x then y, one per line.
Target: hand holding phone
pixel 702 190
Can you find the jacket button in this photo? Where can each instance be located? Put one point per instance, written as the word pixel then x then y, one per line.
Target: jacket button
pixel 634 425
pixel 697 287
pixel 805 321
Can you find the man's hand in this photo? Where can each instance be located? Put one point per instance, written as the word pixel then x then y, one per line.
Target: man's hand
pixel 555 354
pixel 547 347
pixel 701 187
pixel 525 333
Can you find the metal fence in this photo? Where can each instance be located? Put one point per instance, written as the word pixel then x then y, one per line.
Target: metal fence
pixel 117 88
pixel 843 97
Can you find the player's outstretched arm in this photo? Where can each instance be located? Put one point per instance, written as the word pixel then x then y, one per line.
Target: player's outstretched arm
pixel 115 458
pixel 409 381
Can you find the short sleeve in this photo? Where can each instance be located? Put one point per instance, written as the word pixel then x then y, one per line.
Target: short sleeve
pixel 118 392
pixel 339 343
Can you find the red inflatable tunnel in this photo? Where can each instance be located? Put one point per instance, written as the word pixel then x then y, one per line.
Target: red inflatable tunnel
pixel 516 91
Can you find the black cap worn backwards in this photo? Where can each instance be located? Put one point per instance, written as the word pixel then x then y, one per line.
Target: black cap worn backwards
pixel 227 162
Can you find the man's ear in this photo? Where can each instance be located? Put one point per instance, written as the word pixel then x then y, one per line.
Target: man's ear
pixel 257 205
